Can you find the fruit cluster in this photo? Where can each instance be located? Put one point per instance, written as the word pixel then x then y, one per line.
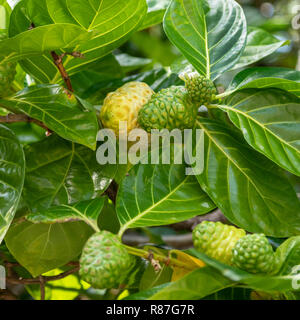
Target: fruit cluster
pixel 252 253
pixel 171 108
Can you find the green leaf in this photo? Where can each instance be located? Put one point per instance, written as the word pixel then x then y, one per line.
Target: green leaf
pixel 12 168
pixel 152 278
pixel 42 39
pixel 230 294
pixel 260 44
pixel 266 77
pixel 248 188
pixel 195 285
pixel 130 63
pixel 288 254
pixel 59 172
pixel 108 219
pixel 43 247
pixel 160 194
pixel 156 11
pixel 27 132
pixel 63 114
pixel 87 211
pixel 106 68
pixel 210 34
pixel 5 11
pixel 144 295
pixel 270 122
pixel 112 23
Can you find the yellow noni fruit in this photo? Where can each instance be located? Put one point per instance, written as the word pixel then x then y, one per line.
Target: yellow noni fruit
pixel 124 105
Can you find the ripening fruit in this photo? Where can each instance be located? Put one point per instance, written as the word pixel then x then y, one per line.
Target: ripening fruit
pixel 201 90
pixel 216 239
pixel 124 105
pixel 169 109
pixel 104 262
pixel 253 253
pixel 7 73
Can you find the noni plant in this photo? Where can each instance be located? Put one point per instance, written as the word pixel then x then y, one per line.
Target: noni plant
pixel 196 197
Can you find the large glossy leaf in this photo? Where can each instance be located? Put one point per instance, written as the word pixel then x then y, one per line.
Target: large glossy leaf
pixel 12 172
pixel 156 11
pixel 59 172
pixel 266 77
pixel 260 44
pixel 196 285
pixel 42 39
pixel 87 211
pixel 43 247
pixel 210 34
pixel 63 114
pixel 270 122
pixel 249 189
pixel 5 11
pixel 288 254
pixel 112 22
pixel 160 194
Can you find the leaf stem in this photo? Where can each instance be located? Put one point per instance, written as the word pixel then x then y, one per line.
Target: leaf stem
pixel 11 118
pixel 58 61
pixel 163 259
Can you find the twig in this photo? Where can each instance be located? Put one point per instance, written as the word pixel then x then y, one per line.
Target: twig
pixel 190 224
pixel 178 241
pixel 158 257
pixel 42 286
pixel 11 118
pixel 58 61
pixel 59 64
pixel 62 275
pixel 111 191
pixel 155 264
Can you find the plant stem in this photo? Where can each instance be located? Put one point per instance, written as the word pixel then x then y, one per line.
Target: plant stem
pixel 163 259
pixel 59 64
pixel 11 118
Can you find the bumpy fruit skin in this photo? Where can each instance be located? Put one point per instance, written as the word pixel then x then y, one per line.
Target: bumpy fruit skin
pixel 7 73
pixel 253 253
pixel 216 240
pixel 104 263
pixel 124 105
pixel 169 109
pixel 201 90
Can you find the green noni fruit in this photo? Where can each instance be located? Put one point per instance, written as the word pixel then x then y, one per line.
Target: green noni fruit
pixel 104 262
pixel 202 91
pixel 169 109
pixel 253 253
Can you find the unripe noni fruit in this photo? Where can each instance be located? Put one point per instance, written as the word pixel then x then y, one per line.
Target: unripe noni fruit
pixel 202 91
pixel 169 109
pixel 104 262
pixel 216 239
pixel 253 253
pixel 124 105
